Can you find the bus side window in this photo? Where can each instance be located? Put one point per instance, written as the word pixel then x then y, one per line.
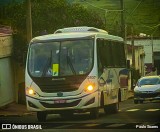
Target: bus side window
pixel 109 53
pixel 100 55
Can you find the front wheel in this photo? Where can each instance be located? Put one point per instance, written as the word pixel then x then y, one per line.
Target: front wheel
pixel 66 114
pixel 136 101
pixel 141 101
pixel 94 113
pixel 41 116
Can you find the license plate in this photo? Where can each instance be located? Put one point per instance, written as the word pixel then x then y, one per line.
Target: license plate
pixel 61 101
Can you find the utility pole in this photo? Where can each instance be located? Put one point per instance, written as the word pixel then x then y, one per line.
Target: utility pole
pixel 122 21
pixel 133 51
pixel 123 26
pixel 152 50
pixel 29 21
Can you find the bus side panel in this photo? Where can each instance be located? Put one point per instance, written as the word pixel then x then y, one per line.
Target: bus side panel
pixel 110 83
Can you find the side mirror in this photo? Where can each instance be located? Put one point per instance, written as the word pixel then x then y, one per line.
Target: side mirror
pixel 102 81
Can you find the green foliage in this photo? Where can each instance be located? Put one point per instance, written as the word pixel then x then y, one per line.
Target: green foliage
pixel 16 15
pixel 59 14
pixel 48 15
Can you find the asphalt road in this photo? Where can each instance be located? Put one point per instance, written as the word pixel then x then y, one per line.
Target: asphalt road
pixel 132 117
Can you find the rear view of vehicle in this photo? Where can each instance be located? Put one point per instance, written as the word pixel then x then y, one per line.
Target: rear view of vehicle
pixel 147 88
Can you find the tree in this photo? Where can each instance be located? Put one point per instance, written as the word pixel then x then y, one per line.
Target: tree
pixel 48 15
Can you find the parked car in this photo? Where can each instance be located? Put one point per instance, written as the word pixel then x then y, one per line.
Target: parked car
pixel 147 88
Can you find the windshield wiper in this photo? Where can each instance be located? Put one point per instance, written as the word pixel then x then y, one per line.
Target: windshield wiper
pixel 71 65
pixel 46 65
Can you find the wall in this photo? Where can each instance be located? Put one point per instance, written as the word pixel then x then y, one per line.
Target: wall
pixel 7 93
pixel 147 44
pixel 6 81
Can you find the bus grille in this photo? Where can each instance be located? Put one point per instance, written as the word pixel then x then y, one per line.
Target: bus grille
pixel 58 84
pixel 61 105
pixel 58 88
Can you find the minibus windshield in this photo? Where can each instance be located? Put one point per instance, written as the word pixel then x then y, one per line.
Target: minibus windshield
pixel 60 58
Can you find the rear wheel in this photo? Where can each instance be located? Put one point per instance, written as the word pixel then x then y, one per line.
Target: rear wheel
pixel 119 95
pixel 94 113
pixel 41 116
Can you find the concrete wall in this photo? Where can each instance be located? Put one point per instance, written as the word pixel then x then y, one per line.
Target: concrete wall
pixel 7 94
pixel 6 43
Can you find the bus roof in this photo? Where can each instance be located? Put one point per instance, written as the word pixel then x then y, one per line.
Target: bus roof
pixel 75 32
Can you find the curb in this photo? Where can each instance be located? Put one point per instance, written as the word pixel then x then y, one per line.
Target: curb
pixel 16 115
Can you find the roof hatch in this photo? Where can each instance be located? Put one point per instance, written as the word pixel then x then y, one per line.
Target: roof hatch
pixel 79 29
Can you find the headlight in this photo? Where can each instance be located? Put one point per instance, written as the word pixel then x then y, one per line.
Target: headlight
pixel 31 92
pixel 137 91
pixel 89 88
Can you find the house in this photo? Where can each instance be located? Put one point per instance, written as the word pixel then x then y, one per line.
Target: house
pixel 135 60
pixel 152 52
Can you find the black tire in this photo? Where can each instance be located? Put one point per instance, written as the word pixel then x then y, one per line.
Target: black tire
pixel 141 101
pixel 66 114
pixel 119 96
pixel 102 101
pixel 41 116
pixel 136 101
pixel 94 113
pixel 110 109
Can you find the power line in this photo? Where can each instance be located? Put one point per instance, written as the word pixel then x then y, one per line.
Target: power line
pixel 106 10
pixel 152 26
pixel 135 8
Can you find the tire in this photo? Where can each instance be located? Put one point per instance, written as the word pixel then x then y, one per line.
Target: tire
pixel 102 101
pixel 94 113
pixel 141 101
pixel 119 96
pixel 66 114
pixel 136 101
pixel 41 116
pixel 110 109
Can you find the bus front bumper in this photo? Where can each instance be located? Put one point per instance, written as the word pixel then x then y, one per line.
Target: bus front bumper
pixel 73 103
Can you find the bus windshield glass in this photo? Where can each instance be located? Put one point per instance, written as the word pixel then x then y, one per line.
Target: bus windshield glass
pixel 60 58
